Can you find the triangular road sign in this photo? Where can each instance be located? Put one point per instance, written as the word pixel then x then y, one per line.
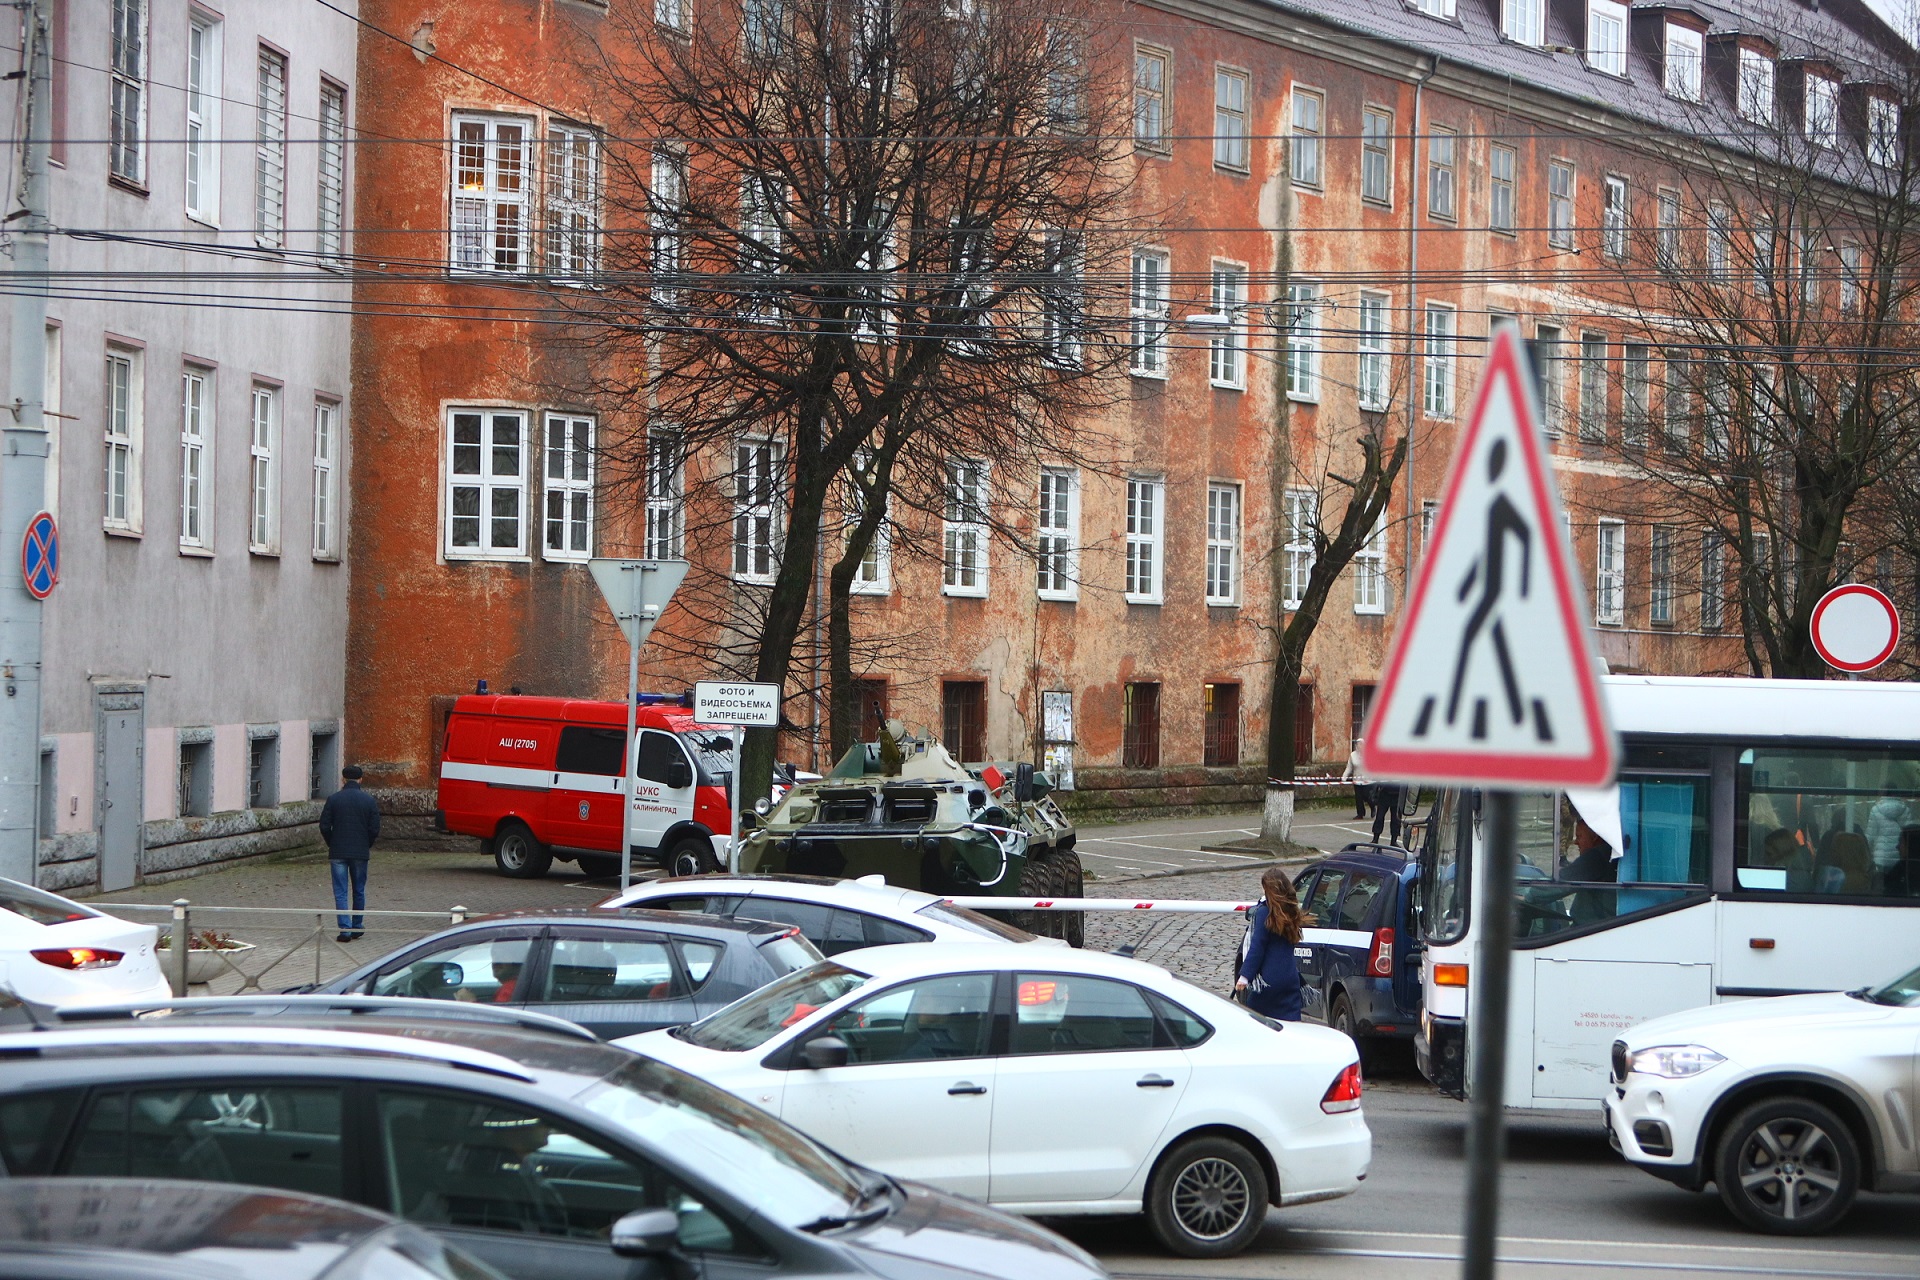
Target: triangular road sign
pixel 1493 678
pixel 637 591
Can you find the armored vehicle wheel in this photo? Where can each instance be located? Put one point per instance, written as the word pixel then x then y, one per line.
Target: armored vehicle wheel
pixel 1042 878
pixel 1072 885
pixel 517 852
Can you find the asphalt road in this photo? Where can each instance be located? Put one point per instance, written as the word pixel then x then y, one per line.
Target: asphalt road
pixel 1135 849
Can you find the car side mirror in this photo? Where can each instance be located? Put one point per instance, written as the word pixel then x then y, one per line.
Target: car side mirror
pixel 646 1233
pixel 823 1052
pixel 679 774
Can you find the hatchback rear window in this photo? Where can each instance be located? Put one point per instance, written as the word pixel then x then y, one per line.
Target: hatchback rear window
pixel 790 952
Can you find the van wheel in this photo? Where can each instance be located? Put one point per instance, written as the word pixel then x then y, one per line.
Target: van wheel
pixel 692 856
pixel 599 866
pixel 1787 1165
pixel 1208 1198
pixel 517 852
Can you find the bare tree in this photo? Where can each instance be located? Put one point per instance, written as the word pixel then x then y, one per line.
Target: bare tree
pixel 828 215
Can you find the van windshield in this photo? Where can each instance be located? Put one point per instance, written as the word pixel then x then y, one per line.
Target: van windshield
pixel 713 754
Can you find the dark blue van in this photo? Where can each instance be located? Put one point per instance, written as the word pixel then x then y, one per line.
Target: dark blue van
pixel 1366 981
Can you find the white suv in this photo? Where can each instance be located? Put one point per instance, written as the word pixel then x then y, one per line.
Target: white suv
pixel 1789 1105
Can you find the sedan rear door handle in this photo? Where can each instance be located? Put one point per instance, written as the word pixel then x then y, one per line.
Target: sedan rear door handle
pixel 966 1086
pixel 1153 1082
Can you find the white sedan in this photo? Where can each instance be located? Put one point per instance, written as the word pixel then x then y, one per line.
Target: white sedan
pixel 1789 1105
pixel 1047 1081
pixel 834 915
pixel 53 951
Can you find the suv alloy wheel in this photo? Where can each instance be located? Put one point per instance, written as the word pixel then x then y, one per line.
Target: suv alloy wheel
pixel 1787 1165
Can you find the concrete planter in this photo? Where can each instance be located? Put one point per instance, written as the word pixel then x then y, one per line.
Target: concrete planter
pixel 204 966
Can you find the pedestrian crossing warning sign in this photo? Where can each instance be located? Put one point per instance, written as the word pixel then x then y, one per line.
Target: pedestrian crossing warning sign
pixel 1493 679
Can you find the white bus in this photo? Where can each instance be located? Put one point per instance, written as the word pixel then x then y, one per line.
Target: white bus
pixel 1763 839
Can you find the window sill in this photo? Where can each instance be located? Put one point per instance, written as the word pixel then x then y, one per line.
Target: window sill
pixel 482 557
pixel 964 593
pixel 1310 188
pixel 874 589
pixel 1302 397
pixel 201 220
pixel 1237 170
pixel 193 552
pixel 1374 202
pixel 1621 76
pixel 1227 386
pixel 1369 612
pixel 1059 597
pixel 751 579
pixel 1223 604
pixel 1153 150
pixel 555 557
pixel 1149 374
pixel 264 553
pixel 1508 232
pixel 331 557
pixel 122 531
pixel 129 185
pixel 1154 601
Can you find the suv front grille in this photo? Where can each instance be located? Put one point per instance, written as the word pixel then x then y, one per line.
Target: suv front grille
pixel 1620 1062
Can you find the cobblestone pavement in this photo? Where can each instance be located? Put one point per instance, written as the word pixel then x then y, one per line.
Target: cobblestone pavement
pixel 1194 946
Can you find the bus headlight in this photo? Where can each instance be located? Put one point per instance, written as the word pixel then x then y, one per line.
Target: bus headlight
pixel 1674 1061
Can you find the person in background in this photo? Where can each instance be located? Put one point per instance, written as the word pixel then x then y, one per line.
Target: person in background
pixel 1360 788
pixel 1846 866
pixel 1903 877
pixel 1888 815
pixel 1269 976
pixel 1386 809
pixel 350 823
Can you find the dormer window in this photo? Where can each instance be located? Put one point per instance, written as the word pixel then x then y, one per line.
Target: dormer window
pixel 1524 21
pixel 1756 87
pixel 1823 110
pixel 1436 8
pixel 1607 36
pixel 1685 51
pixel 1883 133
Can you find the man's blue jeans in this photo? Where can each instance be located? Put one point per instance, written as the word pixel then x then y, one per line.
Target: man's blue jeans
pixel 349 872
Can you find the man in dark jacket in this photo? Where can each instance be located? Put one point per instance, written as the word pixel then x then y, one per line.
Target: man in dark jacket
pixel 350 823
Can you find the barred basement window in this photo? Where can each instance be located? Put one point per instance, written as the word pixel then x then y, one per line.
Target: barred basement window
pixel 1221 748
pixel 1140 726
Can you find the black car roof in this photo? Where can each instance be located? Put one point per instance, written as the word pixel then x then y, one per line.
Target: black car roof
pixel 630 917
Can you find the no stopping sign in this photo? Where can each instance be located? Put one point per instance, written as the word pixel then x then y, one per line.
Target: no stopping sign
pixel 1855 627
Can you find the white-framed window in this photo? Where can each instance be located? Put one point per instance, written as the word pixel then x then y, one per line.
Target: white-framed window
pixel 1429 509
pixel 1560 204
pixel 1152 79
pixel 1763 249
pixel 1717 431
pixel 1636 392
pixel 1614 215
pixel 1610 573
pixel 1811 246
pixel 331 205
pixel 1149 305
pixel 671 14
pixel 1524 21
pixel 1500 215
pixel 1667 234
pixel 1436 8
pixel 1303 340
pixel 1230 96
pixel 1370 571
pixel 196 456
pixel 486 484
pixel 263 473
pixel 1441 175
pixel 1063 300
pixel 326 480
pixel 1223 543
pixel 270 151
pixel 1303 520
pixel 1066 80
pixel 1308 144
pixel 1548 341
pixel 1676 410
pixel 1756 87
pixel 1680 72
pixel 762 198
pixel 569 487
pixel 666 496
pixel 573 202
pixel 763 25
pixel 491 223
pixel 1146 502
pixel 55 372
pixel 873 576
pixel 1713 581
pixel 1883 132
pixel 666 199
pixel 1719 242
pixel 1849 277
pixel 1660 576
pixel 1376 155
pixel 125 415
pixel 1607 36
pixel 1823 111
pixel 1057 534
pixel 757 473
pixel 875 268
pixel 1374 354
pixel 1593 386
pixel 203 117
pixel 1437 398
pixel 127 91
pixel 964 531
pixel 1227 352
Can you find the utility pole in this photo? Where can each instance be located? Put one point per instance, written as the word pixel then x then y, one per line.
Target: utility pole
pixel 23 459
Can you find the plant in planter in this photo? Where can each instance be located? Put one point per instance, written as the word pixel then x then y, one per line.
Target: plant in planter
pixel 204 947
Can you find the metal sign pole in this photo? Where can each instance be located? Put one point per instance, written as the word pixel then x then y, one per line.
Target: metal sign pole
pixel 632 740
pixel 1490 983
pixel 733 804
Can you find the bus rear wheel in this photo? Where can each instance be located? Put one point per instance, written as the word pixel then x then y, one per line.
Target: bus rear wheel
pixel 518 853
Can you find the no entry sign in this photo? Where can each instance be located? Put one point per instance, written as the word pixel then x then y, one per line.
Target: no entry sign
pixel 1855 628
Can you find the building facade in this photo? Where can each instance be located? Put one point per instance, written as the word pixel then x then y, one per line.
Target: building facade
pixel 199 396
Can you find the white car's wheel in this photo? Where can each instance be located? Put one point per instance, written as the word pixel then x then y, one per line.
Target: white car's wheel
pixel 1208 1198
pixel 1787 1165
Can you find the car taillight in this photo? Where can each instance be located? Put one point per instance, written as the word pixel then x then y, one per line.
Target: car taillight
pixel 1449 975
pixel 1344 1093
pixel 79 957
pixel 1380 957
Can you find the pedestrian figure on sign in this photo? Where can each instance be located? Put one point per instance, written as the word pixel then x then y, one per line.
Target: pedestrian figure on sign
pixel 1269 979
pixel 1490 575
pixel 349 823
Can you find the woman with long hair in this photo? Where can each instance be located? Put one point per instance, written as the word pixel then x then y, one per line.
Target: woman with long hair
pixel 1269 977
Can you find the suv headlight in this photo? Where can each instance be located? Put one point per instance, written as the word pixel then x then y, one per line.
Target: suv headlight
pixel 1674 1061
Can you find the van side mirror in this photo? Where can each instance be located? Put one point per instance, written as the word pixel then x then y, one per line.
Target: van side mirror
pixel 679 774
pixel 822 1052
pixel 646 1233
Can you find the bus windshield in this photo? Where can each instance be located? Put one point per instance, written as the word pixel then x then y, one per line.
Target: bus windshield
pixel 1444 871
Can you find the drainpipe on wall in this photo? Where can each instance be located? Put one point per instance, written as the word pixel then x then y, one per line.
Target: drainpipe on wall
pixel 1413 317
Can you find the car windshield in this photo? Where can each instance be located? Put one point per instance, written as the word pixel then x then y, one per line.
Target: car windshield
pixel 754 1019
pixel 714 751
pixel 1903 991
pixel 39 906
pixel 786 1175
pixel 974 922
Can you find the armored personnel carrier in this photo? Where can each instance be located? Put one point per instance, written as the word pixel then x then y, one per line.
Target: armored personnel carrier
pixel 905 809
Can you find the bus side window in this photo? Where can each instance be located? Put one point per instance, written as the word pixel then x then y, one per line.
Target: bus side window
pixel 1838 822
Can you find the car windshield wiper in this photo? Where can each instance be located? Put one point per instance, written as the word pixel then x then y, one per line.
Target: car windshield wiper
pixel 880 1186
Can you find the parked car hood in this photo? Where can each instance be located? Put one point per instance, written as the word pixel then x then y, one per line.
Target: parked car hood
pixel 934 1232
pixel 1821 1011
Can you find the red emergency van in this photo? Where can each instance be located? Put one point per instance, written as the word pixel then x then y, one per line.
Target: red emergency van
pixel 539 778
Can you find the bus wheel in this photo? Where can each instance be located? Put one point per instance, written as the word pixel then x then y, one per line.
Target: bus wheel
pixel 1207 1199
pixel 517 852
pixel 692 856
pixel 599 866
pixel 1787 1165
